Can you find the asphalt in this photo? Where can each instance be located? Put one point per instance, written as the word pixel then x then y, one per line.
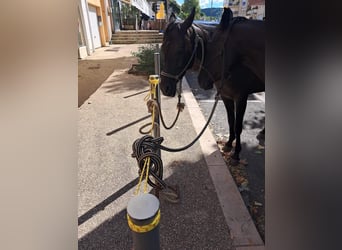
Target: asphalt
pixel 210 214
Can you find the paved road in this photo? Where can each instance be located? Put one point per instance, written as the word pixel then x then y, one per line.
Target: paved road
pixel 254 121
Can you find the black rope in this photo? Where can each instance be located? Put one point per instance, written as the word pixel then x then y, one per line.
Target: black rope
pixel 155 103
pixel 148 147
pixel 198 136
pixel 152 144
pixel 145 148
pixel 180 107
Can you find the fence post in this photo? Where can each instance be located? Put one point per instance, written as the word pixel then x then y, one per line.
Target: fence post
pixel 143 216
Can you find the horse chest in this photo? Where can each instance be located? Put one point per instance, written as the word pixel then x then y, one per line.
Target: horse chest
pixel 227 90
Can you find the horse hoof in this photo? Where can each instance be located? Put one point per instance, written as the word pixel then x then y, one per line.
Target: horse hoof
pixel 234 162
pixel 227 148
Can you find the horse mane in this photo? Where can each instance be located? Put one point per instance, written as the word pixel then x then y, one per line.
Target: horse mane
pixel 237 19
pixel 169 26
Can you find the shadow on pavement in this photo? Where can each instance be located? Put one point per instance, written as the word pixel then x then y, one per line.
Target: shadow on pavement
pixel 116 49
pixel 93 72
pixel 127 125
pixel 126 82
pixel 101 206
pixel 197 222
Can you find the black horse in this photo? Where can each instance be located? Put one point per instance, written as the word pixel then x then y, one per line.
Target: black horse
pixel 185 45
pixel 235 63
pixel 234 41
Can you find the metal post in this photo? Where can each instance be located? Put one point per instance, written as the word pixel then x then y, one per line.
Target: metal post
pixel 143 216
pixel 157 120
pixel 157 72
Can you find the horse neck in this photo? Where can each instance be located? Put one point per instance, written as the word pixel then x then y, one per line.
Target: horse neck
pixel 201 32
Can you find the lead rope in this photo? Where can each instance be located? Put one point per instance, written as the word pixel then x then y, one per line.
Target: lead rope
pixel 153 104
pixel 148 159
pixel 144 158
pixel 150 163
pixel 156 144
pixel 145 149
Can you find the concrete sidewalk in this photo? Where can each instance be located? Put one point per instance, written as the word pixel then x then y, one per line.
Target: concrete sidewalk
pixel 211 213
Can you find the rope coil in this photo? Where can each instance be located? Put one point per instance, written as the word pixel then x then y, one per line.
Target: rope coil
pixel 145 151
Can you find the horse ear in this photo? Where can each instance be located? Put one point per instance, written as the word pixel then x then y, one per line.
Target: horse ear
pixel 226 17
pixel 188 21
pixel 172 17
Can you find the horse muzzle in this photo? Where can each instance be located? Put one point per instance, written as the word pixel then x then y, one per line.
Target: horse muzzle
pixel 168 86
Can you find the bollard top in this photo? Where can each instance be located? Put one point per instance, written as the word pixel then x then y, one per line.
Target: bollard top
pixel 143 206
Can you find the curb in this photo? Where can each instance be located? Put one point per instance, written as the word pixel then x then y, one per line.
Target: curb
pixel 242 229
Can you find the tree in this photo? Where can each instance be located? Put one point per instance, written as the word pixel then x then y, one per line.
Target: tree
pixel 186 9
pixel 174 6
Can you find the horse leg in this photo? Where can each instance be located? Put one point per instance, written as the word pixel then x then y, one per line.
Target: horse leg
pixel 229 104
pixel 241 105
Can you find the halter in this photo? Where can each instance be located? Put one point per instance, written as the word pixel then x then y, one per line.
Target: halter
pixel 179 76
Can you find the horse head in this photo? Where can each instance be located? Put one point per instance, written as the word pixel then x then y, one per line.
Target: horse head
pixel 211 70
pixel 176 51
pixel 234 41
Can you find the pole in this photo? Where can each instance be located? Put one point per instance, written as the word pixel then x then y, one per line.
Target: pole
pixel 157 72
pixel 157 128
pixel 143 216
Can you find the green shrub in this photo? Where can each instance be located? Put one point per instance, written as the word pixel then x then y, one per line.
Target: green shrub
pixel 145 57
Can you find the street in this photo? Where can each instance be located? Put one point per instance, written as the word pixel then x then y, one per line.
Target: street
pixel 252 149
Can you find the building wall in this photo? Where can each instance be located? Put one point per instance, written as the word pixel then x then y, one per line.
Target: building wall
pixel 105 28
pixel 97 4
pixel 107 17
pixel 84 16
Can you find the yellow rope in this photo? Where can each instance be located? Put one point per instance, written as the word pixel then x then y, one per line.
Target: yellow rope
pixel 147 170
pixel 140 178
pixel 147 97
pixel 146 167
